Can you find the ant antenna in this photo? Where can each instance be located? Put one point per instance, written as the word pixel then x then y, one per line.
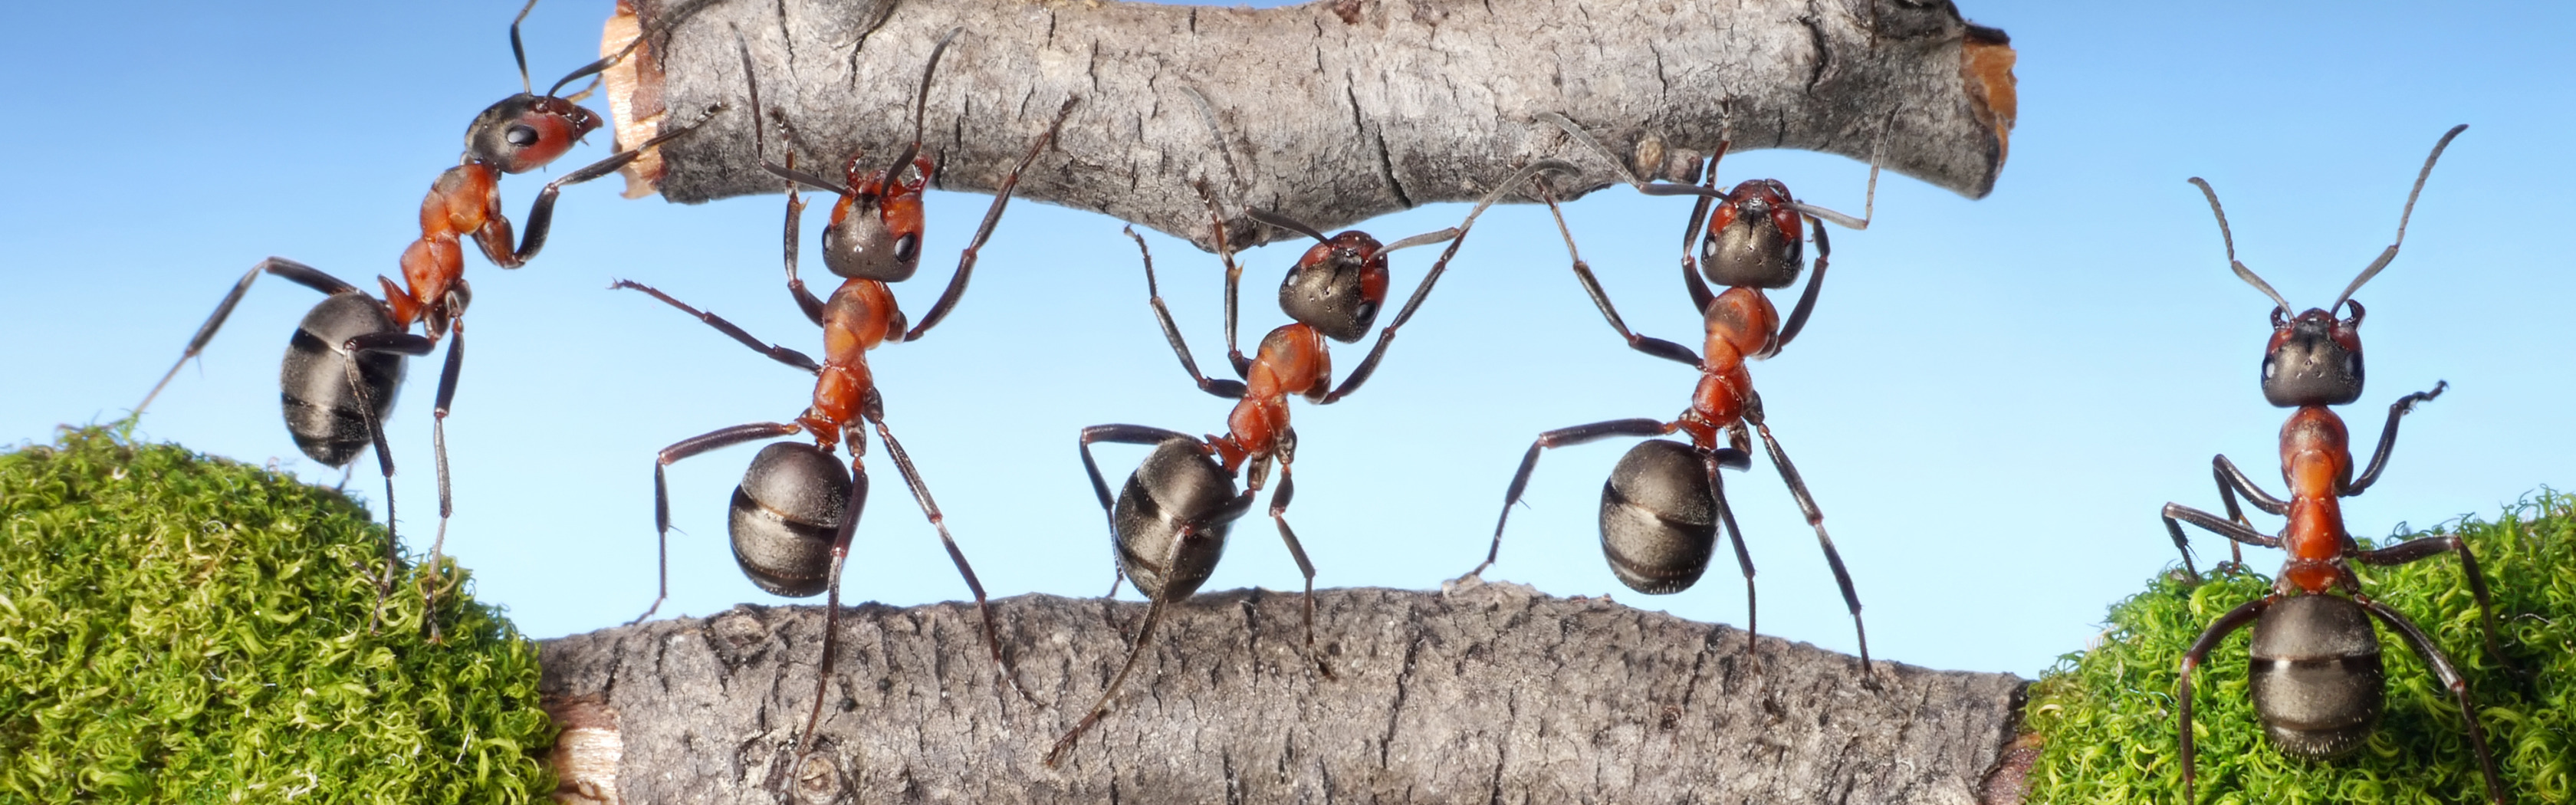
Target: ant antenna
pixel 1585 137
pixel 593 68
pixel 2391 253
pixel 759 147
pixel 2242 272
pixel 1285 222
pixel 520 51
pixel 920 102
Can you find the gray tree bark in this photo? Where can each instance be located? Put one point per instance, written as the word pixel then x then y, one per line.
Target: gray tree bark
pixel 1490 693
pixel 1331 112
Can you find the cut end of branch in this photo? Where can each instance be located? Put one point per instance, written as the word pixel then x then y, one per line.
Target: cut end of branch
pixel 1985 64
pixel 634 87
pixel 586 752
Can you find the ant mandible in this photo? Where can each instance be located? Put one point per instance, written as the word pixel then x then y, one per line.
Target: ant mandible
pixel 795 499
pixel 345 362
pixel 1168 524
pixel 2316 679
pixel 1664 502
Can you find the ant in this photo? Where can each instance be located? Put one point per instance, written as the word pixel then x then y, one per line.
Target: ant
pixel 1169 523
pixel 2316 678
pixel 796 510
pixel 1664 502
pixel 345 362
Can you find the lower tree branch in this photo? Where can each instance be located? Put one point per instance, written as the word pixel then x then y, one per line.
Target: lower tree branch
pixel 1490 693
pixel 1331 112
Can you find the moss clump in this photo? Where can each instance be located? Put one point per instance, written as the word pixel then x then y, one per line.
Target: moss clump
pixel 178 628
pixel 2108 716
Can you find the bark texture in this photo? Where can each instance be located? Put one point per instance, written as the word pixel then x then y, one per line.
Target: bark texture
pixel 1490 693
pixel 1330 112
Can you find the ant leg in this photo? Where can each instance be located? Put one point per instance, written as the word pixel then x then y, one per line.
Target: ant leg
pixel 2413 550
pixel 1807 298
pixel 2388 437
pixel 1699 293
pixel 832 602
pixel 494 237
pixel 1233 283
pixel 1816 518
pixel 2232 482
pixel 2459 686
pixel 2234 619
pixel 402 344
pixel 1003 678
pixel 774 351
pixel 1735 459
pixel 2215 525
pixel 794 230
pixel 298 273
pixel 1153 615
pixel 1118 434
pixel 1455 236
pixel 685 448
pixel 1579 434
pixel 992 217
pixel 1583 273
pixel 1229 389
pixel 1279 515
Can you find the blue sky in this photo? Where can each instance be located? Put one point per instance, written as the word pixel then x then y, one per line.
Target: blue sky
pixel 1992 402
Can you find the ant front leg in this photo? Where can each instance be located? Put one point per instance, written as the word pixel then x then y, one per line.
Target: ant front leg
pixel 1229 389
pixel 1003 678
pixel 2230 529
pixel 992 217
pixel 1807 298
pixel 1579 434
pixel 1583 273
pixel 1233 284
pixel 494 236
pixel 685 448
pixel 1279 514
pixel 2388 437
pixel 1815 518
pixel 2226 624
pixel 775 352
pixel 292 271
pixel 1456 236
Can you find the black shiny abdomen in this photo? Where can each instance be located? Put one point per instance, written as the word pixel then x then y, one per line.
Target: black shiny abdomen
pixel 1658 520
pixel 1177 485
pixel 2316 675
pixel 322 411
pixel 785 514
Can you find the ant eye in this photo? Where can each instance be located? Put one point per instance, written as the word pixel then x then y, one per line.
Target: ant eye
pixel 522 136
pixel 906 246
pixel 2271 367
pixel 2352 365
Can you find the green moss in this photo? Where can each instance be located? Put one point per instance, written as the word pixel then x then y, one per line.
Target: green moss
pixel 178 628
pixel 2108 716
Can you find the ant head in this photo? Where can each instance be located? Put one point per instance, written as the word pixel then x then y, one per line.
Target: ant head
pixel 2314 358
pixel 1337 286
pixel 876 229
pixel 524 132
pixel 1754 238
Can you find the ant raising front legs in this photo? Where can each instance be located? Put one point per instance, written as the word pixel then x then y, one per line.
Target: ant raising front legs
pixel 345 362
pixel 1168 524
pixel 2317 681
pixel 797 509
pixel 1664 503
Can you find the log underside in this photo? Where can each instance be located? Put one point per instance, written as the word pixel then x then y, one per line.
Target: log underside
pixel 1489 693
pixel 1331 112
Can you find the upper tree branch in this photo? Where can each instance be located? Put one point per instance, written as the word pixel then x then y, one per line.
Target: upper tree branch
pixel 1490 694
pixel 1331 112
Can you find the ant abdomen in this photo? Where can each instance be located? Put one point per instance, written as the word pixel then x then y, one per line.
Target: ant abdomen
pixel 785 514
pixel 1178 493
pixel 1658 518
pixel 326 416
pixel 2316 677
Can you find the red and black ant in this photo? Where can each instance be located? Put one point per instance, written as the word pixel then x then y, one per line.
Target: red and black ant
pixel 1169 523
pixel 345 362
pixel 2316 678
pixel 1664 502
pixel 796 510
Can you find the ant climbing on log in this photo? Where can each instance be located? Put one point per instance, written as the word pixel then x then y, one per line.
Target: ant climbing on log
pixel 794 515
pixel 1664 502
pixel 2316 679
pixel 1168 524
pixel 345 362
